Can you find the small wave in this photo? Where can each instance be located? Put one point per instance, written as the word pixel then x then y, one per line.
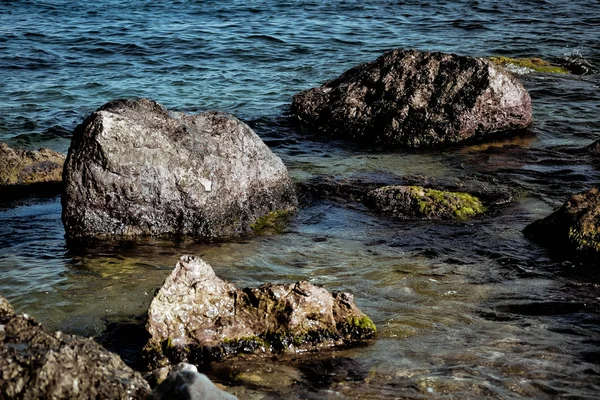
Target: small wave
pixel 468 25
pixel 267 38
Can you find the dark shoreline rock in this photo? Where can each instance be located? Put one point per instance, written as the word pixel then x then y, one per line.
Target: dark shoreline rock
pixel 29 173
pixel 38 364
pixel 136 169
pixel 196 317
pixel 573 229
pixel 408 98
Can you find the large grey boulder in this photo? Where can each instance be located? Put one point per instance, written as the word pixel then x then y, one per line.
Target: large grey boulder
pixel 574 228
pixel 24 172
pixel 197 317
pixel 135 168
pixel 416 99
pixel 35 364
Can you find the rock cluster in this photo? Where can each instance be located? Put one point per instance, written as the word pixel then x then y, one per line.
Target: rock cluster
pixel 135 168
pixel 416 99
pixel 574 227
pixel 29 172
pixel 197 317
pixel 35 364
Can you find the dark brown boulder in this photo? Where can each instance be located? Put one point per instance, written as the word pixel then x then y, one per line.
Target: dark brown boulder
pixel 197 317
pixel 573 228
pixel 35 364
pixel 136 169
pixel 417 99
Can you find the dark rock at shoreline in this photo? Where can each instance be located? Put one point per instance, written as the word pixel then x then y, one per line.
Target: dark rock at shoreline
pixel 185 382
pixel 573 228
pixel 135 168
pixel 197 317
pixel 28 172
pixel 417 99
pixel 36 364
pixel 424 203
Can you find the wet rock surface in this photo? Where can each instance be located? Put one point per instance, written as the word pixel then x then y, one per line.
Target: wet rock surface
pixel 29 172
pixel 135 168
pixel 38 364
pixel 574 228
pixel 185 382
pixel 424 203
pixel 416 99
pixel 197 317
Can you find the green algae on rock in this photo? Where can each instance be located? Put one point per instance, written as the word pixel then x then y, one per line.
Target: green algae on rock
pixel 574 227
pixel 272 223
pixel 425 203
pixel 533 64
pixel 197 317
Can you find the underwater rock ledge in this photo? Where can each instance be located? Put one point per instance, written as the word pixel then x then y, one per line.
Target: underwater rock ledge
pixel 409 98
pixel 196 317
pixel 136 169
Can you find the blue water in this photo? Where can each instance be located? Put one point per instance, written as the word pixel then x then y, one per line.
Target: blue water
pixel 468 310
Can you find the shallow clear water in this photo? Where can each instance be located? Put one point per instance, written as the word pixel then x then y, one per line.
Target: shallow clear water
pixel 468 309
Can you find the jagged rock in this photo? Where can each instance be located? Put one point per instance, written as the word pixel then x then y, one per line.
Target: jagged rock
pixel 197 317
pixel 135 168
pixel 185 382
pixel 6 309
pixel 573 228
pixel 24 172
pixel 35 364
pixel 417 99
pixel 420 202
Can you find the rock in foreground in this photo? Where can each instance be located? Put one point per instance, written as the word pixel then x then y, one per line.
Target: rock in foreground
pixel 24 172
pixel 197 317
pixel 35 364
pixel 424 203
pixel 417 99
pixel 185 382
pixel 574 227
pixel 134 168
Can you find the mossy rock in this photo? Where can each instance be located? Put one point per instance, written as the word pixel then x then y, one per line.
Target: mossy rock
pixel 574 228
pixel 272 223
pixel 534 64
pixel 424 203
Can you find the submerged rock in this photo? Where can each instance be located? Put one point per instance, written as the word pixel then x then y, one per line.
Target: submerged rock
pixel 197 317
pixel 135 168
pixel 574 227
pixel 35 364
pixel 28 172
pixel 420 202
pixel 185 382
pixel 528 65
pixel 417 99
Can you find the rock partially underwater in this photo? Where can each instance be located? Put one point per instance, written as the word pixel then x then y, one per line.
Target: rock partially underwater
pixel 35 364
pixel 28 172
pixel 197 317
pixel 185 382
pixel 135 168
pixel 424 203
pixel 417 99
pixel 574 228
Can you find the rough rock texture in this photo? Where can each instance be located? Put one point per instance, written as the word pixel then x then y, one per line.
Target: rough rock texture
pixel 197 317
pixel 185 382
pixel 419 202
pixel 35 364
pixel 417 99
pixel 29 172
pixel 6 309
pixel 134 168
pixel 574 227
